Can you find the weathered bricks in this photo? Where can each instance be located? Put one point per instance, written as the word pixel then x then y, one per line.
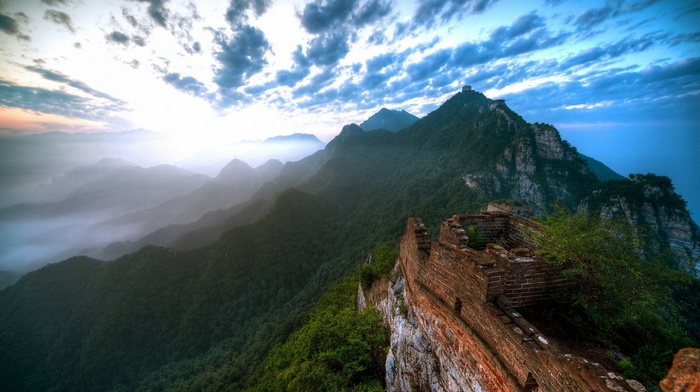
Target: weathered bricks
pixel 467 301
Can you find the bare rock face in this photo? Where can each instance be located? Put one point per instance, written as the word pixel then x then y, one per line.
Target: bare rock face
pixel 414 362
pixel 684 375
pixel 538 168
pixel 654 205
pixel 549 143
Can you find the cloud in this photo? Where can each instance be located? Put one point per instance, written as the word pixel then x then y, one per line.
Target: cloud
pixel 187 84
pixel 627 93
pixel 240 57
pixel 527 34
pixel 55 2
pixel 291 78
pixel 118 37
pixel 612 8
pixel 625 46
pixel 319 16
pixel 328 49
pixel 235 14
pixel 157 11
pixel 371 12
pixel 10 26
pixel 59 18
pixel 429 66
pixel 430 11
pixel 61 78
pixel 56 102
pixel 129 18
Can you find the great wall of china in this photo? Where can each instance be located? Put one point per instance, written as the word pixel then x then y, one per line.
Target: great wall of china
pixel 453 313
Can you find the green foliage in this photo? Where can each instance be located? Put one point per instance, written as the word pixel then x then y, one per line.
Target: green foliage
pixel 476 239
pixel 615 294
pixel 384 259
pixel 337 348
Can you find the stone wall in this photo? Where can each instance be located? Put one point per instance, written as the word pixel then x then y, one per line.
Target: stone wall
pixel 459 300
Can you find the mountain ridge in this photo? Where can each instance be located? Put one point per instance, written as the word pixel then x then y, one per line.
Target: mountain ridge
pixel 391 120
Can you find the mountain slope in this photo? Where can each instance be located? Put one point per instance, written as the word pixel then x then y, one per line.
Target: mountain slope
pixel 603 172
pixel 203 319
pixel 391 120
pixel 235 184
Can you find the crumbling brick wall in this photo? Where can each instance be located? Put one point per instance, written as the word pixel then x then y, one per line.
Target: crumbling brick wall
pixel 463 298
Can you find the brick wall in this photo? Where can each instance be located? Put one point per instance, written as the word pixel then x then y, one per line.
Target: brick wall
pixel 462 297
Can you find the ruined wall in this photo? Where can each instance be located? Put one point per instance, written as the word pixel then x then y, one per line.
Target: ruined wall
pixel 464 320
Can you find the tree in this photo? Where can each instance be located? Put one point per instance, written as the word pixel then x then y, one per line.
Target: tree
pixel 618 292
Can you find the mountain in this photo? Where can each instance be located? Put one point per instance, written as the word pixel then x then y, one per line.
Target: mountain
pixel 165 223
pixel 75 203
pixel 391 120
pixel 600 170
pixel 285 148
pixel 32 160
pixel 204 318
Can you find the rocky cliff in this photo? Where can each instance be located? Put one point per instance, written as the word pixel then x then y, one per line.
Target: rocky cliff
pixel 650 202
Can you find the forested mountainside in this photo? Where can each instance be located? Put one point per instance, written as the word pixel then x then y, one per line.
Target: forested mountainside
pixel 204 318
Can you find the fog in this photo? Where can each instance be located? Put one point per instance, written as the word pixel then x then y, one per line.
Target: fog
pixel 67 194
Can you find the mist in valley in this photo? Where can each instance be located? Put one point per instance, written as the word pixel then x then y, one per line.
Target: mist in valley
pixel 63 195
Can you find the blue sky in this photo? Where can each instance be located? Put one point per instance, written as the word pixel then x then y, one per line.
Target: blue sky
pixel 619 79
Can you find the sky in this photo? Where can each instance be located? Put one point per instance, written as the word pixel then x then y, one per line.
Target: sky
pixel 620 79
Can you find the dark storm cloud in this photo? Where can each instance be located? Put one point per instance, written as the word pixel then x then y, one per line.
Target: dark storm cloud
pixel 612 8
pixel 10 26
pixel 291 78
pixel 240 57
pixel 328 49
pixel 60 78
pixel 319 16
pixel 430 11
pixel 60 18
pixel 235 14
pixel 117 37
pixel 55 102
pixel 187 84
pixel 371 12
pixel 322 16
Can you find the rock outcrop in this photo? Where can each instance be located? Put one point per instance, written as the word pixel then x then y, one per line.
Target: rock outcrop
pixel 650 202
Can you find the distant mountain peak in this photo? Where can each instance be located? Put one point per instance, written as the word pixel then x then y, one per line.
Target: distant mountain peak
pixel 295 137
pixel 234 168
pixel 114 162
pixel 391 120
